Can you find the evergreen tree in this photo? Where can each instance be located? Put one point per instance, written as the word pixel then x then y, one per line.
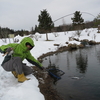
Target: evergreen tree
pixel 32 30
pixel 97 20
pixel 36 28
pixel 77 19
pixel 45 22
pixel 98 17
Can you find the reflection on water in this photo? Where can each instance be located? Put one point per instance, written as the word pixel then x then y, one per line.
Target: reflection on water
pixel 81 80
pixel 81 61
pixel 50 64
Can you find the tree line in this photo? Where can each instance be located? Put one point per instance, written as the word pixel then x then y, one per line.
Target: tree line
pixel 46 25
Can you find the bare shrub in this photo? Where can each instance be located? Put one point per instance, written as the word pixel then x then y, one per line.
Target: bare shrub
pixel 78 33
pixel 55 34
pixel 37 36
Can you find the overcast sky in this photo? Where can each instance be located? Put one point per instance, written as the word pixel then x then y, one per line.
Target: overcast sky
pixel 23 14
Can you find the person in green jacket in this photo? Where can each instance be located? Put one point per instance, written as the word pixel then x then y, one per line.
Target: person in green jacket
pixel 15 54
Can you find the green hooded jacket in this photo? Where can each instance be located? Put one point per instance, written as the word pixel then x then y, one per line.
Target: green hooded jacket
pixel 20 50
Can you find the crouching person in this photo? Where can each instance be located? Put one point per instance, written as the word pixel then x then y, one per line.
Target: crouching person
pixel 15 54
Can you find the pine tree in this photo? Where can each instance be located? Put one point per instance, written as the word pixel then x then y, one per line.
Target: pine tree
pixel 78 22
pixel 77 19
pixel 45 22
pixel 32 30
pixel 98 17
pixel 97 20
pixel 36 28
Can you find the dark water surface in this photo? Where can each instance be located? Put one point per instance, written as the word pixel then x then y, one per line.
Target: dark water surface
pixel 81 80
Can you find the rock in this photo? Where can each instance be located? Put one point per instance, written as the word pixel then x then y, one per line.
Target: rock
pixel 73 46
pixel 56 44
pixel 81 46
pixel 66 42
pixel 92 42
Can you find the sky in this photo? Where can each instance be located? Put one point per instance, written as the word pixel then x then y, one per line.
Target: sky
pixel 23 14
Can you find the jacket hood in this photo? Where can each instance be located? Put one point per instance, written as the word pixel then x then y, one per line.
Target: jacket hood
pixel 24 41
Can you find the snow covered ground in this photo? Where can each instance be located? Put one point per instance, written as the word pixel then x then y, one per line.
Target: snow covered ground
pixel 10 89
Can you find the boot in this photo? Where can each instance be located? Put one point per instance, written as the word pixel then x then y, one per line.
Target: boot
pixel 15 74
pixel 22 78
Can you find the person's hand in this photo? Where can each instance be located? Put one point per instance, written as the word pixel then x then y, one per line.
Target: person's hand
pixel 44 69
pixel 9 51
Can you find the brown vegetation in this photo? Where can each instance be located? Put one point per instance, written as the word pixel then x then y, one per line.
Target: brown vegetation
pixel 46 85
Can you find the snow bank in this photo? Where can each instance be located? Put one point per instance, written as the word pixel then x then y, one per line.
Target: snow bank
pixel 10 89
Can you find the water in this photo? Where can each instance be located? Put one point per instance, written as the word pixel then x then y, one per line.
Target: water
pixel 81 80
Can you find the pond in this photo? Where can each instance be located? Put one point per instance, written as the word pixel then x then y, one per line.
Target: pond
pixel 81 80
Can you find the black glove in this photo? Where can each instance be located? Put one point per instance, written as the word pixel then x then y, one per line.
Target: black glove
pixel 44 69
pixel 9 51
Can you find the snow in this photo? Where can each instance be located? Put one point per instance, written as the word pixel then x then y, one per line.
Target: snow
pixel 11 89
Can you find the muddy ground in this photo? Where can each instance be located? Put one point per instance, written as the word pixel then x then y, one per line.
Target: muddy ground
pixel 46 85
